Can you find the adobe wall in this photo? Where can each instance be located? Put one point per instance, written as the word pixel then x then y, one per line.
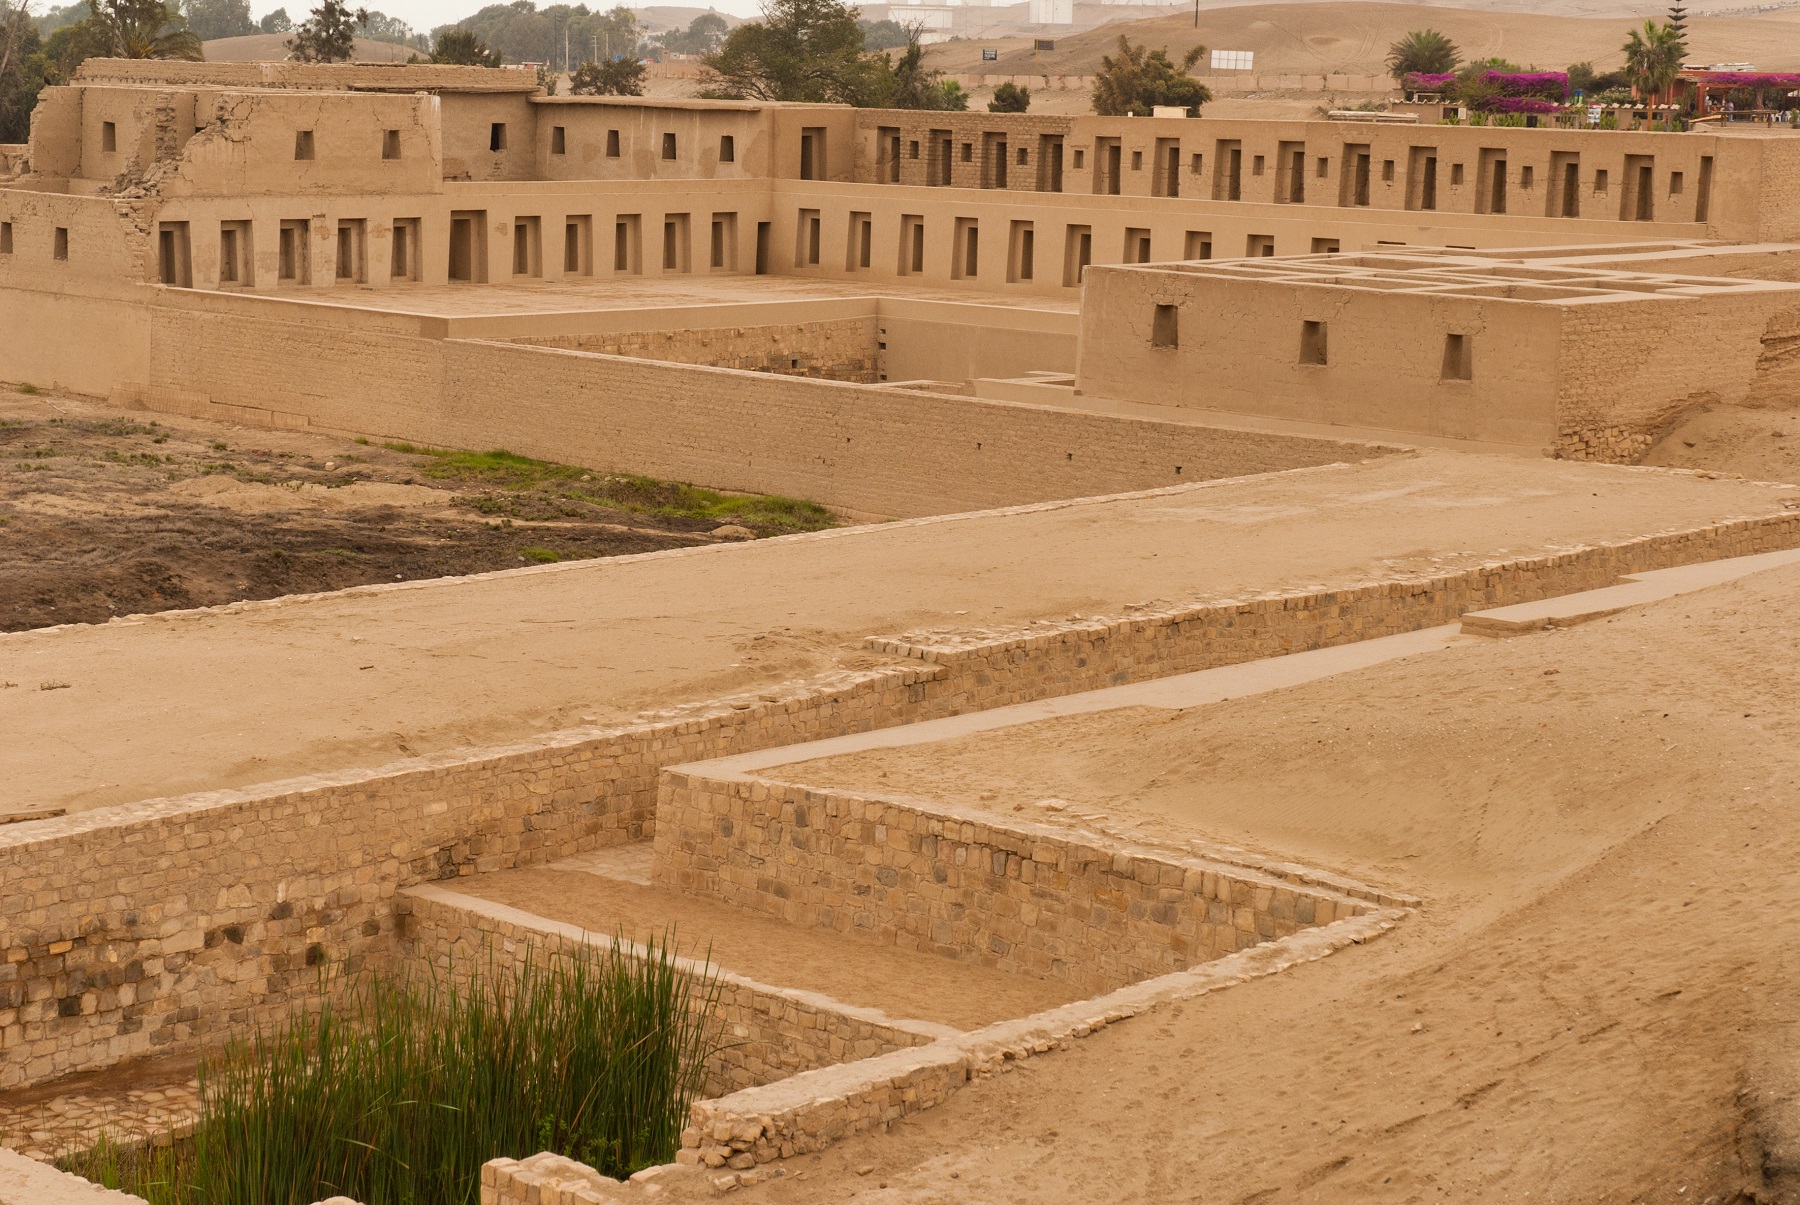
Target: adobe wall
pixel 147 928
pixel 1749 198
pixel 589 124
pixel 867 449
pixel 841 350
pixel 1238 349
pixel 1020 897
pixel 768 1033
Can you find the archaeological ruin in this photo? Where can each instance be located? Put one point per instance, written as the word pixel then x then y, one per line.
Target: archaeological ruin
pixel 1329 448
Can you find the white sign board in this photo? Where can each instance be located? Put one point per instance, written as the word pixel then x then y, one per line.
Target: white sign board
pixel 1233 60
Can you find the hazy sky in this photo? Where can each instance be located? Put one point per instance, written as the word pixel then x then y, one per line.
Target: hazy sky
pixel 428 14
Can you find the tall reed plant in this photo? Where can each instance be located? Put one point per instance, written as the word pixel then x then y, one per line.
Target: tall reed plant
pixel 395 1092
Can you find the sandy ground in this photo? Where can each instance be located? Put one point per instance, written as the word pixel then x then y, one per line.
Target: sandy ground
pixel 1595 1004
pixel 1761 444
pixel 190 701
pixel 106 512
pixel 901 983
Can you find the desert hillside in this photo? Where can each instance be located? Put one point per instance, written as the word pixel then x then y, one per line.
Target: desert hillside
pixel 1352 38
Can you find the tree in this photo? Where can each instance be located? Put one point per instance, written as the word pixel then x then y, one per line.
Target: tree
pixel 1653 59
pixel 1678 22
pixel 909 83
pixel 329 35
pixel 882 35
pixel 1589 82
pixel 1135 83
pixel 801 50
pixel 377 26
pixel 54 18
pixel 615 77
pixel 560 33
pixel 21 71
pixel 703 35
pixel 461 47
pixel 1010 98
pixel 276 22
pixel 138 29
pixel 1422 52
pixel 218 18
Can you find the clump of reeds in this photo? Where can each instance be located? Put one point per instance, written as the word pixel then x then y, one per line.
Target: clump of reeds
pixel 395 1092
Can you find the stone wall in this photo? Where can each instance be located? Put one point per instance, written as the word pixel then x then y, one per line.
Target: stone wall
pixel 1029 898
pixel 841 350
pixel 768 1032
pixel 150 927
pixel 550 1179
pixel 1628 371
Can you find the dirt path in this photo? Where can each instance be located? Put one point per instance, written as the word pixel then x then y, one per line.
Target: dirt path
pixel 1595 1004
pixel 105 512
pixel 200 700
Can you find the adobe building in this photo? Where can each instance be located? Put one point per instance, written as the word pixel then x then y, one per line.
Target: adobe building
pixel 282 238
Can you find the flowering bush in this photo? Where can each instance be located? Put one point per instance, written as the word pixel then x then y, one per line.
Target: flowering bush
pixel 1546 85
pixel 1519 104
pixel 1745 79
pixel 1415 81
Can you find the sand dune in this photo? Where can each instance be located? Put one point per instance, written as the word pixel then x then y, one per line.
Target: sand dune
pixel 1353 38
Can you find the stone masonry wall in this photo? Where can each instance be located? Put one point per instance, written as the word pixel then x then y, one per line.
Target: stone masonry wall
pixel 1023 897
pixel 149 927
pixel 769 1032
pixel 1627 371
pixel 840 350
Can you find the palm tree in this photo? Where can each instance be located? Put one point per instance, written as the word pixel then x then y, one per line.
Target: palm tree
pixel 1653 59
pixel 1423 51
pixel 139 29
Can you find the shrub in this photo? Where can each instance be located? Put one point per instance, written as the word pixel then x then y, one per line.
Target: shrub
pixel 399 1091
pixel 1010 98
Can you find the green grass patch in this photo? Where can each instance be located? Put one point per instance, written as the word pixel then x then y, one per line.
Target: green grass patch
pixel 544 556
pixel 27 388
pixel 398 1092
pixel 551 482
pixel 650 496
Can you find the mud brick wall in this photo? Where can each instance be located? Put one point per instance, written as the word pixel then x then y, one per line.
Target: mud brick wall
pixel 1027 898
pixel 841 350
pixel 870 450
pixel 769 1032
